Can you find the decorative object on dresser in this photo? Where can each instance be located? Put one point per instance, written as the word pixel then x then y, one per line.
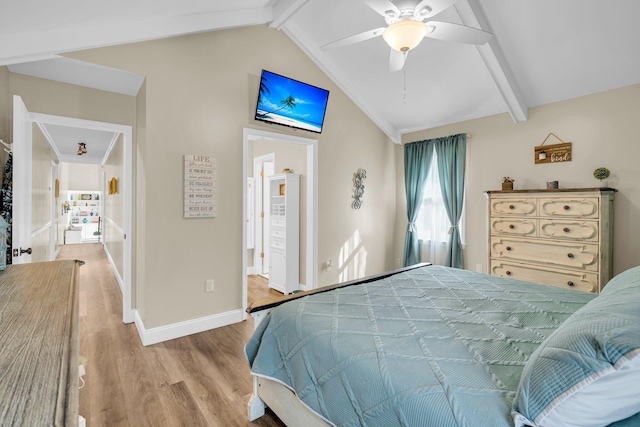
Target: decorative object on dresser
pixel 552 185
pixel 560 237
pixel 507 183
pixel 284 232
pixel 601 174
pixel 552 153
pixel 358 188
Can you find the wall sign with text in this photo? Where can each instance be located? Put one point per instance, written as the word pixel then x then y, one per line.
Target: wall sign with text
pixel 200 186
pixel 553 153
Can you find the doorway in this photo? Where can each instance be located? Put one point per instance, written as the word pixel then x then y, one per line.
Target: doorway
pixel 309 219
pixel 22 163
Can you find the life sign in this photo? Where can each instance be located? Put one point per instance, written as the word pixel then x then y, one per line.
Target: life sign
pixel 200 186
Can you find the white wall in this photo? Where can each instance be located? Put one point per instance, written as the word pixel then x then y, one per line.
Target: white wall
pixel 42 192
pixel 113 207
pixel 83 177
pixel 603 129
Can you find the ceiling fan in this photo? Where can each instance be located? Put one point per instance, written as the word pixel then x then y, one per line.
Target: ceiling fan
pixel 407 24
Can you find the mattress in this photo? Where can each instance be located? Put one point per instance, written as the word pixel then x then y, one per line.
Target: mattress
pixel 433 346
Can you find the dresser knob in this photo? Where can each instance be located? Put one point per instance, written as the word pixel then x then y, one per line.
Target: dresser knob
pixel 511 207
pixel 570 255
pixel 508 248
pixel 566 207
pixel 566 229
pixel 570 283
pixel 508 273
pixel 511 226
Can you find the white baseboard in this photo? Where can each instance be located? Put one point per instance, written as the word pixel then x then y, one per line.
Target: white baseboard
pixel 114 269
pixel 182 329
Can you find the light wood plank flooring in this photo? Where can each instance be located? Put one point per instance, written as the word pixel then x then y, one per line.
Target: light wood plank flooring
pixel 199 380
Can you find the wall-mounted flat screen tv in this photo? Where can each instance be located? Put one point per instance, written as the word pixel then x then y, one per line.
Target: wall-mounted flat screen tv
pixel 288 102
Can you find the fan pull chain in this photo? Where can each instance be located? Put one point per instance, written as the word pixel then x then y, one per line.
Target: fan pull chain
pixel 404 78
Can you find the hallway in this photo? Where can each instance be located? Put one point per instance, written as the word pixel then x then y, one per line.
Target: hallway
pixel 198 380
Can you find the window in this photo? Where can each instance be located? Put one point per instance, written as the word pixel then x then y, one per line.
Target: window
pixel 433 223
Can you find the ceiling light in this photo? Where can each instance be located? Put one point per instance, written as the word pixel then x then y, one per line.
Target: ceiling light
pixel 82 148
pixel 404 35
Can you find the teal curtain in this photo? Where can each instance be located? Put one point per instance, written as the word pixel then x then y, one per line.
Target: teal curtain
pixel 451 154
pixel 417 161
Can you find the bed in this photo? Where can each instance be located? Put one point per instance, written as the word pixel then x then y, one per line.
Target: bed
pixel 437 346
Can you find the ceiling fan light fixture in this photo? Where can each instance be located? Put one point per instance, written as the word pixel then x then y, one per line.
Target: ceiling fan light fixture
pixel 404 35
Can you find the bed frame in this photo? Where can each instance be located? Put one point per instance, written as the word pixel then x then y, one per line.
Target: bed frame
pixel 279 398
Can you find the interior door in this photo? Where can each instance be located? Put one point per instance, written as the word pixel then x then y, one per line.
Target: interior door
pixel 22 183
pixel 267 169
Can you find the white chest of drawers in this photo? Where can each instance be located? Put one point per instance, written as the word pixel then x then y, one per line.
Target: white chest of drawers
pixel 559 237
pixel 284 232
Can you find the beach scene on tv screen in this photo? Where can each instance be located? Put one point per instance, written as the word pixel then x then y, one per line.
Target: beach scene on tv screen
pixel 291 103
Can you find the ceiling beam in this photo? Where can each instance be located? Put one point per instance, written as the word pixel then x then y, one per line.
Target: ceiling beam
pixel 332 70
pixel 283 10
pixel 37 45
pixel 472 15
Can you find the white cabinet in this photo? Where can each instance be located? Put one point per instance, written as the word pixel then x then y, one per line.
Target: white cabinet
pixel 85 210
pixel 556 237
pixel 284 232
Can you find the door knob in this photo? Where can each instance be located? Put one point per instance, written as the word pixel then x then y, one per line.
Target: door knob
pixel 27 251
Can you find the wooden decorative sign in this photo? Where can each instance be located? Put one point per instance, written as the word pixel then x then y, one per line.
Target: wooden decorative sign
pixel 200 186
pixel 552 153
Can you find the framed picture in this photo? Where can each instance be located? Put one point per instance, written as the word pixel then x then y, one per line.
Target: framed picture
pixel 85 197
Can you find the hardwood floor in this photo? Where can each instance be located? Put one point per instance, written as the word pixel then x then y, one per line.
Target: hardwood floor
pixel 199 380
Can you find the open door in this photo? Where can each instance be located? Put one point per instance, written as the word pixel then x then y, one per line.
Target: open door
pixel 22 185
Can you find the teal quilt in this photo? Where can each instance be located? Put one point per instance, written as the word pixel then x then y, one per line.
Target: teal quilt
pixel 434 346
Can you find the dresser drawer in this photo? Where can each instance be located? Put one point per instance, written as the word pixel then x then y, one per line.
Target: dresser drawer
pixel 574 230
pixel 277 244
pixel 277 232
pixel 583 207
pixel 563 279
pixel 578 255
pixel 278 222
pixel 514 226
pixel 520 207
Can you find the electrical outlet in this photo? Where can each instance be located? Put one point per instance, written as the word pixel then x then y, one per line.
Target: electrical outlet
pixel 479 268
pixel 208 286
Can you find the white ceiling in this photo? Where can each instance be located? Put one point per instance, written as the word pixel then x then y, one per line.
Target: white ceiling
pixel 542 50
pixel 67 138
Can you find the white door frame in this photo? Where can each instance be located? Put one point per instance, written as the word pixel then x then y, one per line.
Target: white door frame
pixel 260 232
pixel 22 182
pixel 125 184
pixel 310 222
pixel 55 223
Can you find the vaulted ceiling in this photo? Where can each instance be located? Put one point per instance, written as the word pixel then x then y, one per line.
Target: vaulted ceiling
pixel 541 51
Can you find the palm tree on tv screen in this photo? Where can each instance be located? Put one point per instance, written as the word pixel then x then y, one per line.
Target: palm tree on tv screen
pixel 289 102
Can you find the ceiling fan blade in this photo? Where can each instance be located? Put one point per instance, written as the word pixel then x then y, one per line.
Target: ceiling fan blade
pixel 397 60
pixel 435 6
pixel 456 33
pixel 356 38
pixel 382 6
